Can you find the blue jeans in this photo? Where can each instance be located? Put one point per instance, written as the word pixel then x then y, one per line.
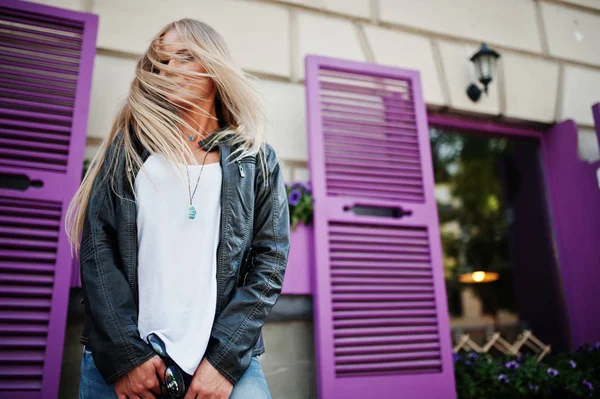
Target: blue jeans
pixel 252 385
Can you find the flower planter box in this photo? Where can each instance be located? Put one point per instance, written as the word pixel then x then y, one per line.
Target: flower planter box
pixel 298 279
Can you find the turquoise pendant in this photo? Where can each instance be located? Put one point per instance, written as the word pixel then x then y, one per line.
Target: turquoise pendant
pixel 191 138
pixel 192 212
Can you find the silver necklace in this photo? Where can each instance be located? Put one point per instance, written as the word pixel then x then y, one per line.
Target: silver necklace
pixel 192 209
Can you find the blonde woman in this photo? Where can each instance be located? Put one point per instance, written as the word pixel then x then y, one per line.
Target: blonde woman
pixel 184 229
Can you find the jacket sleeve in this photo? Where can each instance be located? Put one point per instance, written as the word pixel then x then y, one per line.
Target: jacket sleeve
pixel 237 328
pixel 109 303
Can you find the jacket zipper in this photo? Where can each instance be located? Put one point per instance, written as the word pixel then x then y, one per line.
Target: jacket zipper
pixel 244 160
pixel 242 173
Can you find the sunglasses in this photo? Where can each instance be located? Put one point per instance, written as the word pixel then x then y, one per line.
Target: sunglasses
pixel 174 384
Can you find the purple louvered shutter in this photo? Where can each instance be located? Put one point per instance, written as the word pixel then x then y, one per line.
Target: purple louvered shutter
pixel 381 320
pixel 574 190
pixel 46 58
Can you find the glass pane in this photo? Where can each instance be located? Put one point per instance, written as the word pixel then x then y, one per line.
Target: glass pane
pixel 492 218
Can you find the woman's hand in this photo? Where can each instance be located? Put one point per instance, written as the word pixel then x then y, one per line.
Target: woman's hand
pixel 208 383
pixel 141 381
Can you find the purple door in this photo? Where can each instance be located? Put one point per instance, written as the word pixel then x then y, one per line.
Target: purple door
pixel 381 319
pixel 574 192
pixel 46 58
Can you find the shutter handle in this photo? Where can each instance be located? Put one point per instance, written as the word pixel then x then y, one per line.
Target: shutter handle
pixel 396 212
pixel 18 182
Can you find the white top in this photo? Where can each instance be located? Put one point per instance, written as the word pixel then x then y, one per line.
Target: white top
pixel 177 272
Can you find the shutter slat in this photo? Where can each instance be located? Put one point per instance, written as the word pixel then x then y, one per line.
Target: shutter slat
pixel 18 370
pixel 363 274
pixel 383 159
pixel 41 107
pixel 386 322
pixel 32 303
pixel 358 143
pixel 355 110
pixel 17 384
pixel 28 146
pixel 23 221
pixel 26 279
pixel 21 356
pixel 25 232
pixel 28 244
pixel 36 125
pixel 361 314
pixel 387 349
pixel 35 69
pixel 18 209
pixel 342 265
pixel 24 329
pixel 345 281
pixel 398 287
pixel 387 357
pixel 373 103
pixel 46 20
pixel 33 41
pixel 54 34
pixel 362 248
pixel 27 56
pixel 382 306
pixel 44 82
pixel 25 290
pixel 33 91
pixel 32 135
pixel 32 256
pixel 412 365
pixel 380 240
pixel 22 342
pixel 367 342
pixel 32 165
pixel 382 297
pixel 384 257
pixel 24 315
pixel 48 118
pixel 375 196
pixel 28 267
pixel 411 178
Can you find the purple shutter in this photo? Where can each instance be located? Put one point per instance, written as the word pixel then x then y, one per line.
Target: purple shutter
pixel 574 194
pixel 46 59
pixel 575 208
pixel 381 320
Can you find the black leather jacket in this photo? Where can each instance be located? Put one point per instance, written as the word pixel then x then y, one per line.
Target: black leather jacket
pixel 251 260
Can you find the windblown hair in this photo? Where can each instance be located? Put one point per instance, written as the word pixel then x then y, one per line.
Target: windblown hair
pixel 158 124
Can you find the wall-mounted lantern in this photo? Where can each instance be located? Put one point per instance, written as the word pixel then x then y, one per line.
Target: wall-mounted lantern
pixel 485 65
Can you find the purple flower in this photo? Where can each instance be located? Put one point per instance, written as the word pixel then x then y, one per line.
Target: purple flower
pixel 588 385
pixel 468 362
pixel 503 378
pixel 455 357
pixel 302 185
pixel 572 364
pixel 512 365
pixel 472 355
pixel 295 197
pixel 534 388
pixel 552 372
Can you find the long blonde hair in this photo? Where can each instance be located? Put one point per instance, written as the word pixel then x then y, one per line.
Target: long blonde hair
pixel 156 123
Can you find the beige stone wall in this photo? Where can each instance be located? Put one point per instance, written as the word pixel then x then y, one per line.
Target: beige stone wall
pixel 549 70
